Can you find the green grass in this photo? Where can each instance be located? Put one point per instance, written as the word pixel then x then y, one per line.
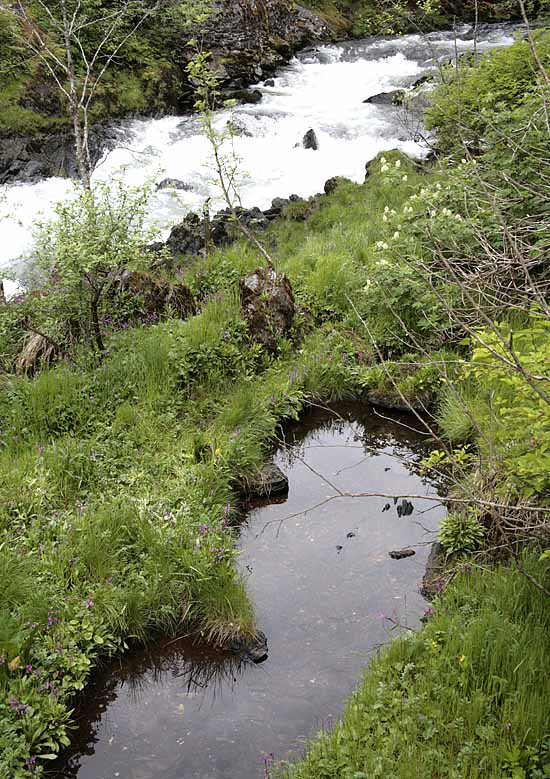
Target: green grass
pixel 464 698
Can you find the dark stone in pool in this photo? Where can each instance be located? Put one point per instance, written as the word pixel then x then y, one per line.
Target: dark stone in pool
pixel 339 548
pixel 350 535
pixel 270 481
pixel 400 554
pixel 387 507
pixel 405 508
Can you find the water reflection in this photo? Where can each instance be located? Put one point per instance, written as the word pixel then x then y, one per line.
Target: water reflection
pixel 326 592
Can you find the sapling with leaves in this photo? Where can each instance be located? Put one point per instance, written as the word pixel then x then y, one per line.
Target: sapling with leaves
pixel 226 163
pixel 77 42
pixel 80 257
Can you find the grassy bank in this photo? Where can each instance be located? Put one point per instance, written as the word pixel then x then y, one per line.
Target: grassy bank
pixel 119 472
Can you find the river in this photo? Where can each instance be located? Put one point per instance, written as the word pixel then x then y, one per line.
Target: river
pixel 323 89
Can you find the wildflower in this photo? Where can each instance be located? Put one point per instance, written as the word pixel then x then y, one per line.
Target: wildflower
pixel 227 510
pixel 30 763
pixel 396 234
pixel 434 645
pixel 204 529
pixel 405 178
pixel 397 163
pixel 217 452
pixel 384 168
pixel 383 160
pixel 89 604
pixel 463 161
pixel 385 217
pixel 386 209
pixel 461 659
pixel 18 707
pixel 380 244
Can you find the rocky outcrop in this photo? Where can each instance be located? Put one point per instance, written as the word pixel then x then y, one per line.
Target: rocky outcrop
pixel 29 159
pixel 268 306
pixel 248 39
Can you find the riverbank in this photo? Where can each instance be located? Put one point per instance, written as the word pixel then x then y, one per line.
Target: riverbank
pixel 119 472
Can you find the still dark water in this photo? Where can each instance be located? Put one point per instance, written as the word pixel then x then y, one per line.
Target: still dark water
pixel 326 593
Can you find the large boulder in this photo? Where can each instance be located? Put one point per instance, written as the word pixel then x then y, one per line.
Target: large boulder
pixel 268 306
pixel 156 296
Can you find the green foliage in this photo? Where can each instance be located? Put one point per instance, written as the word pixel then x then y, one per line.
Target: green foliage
pixel 461 533
pixel 518 420
pixel 79 258
pixel 465 105
pixel 463 698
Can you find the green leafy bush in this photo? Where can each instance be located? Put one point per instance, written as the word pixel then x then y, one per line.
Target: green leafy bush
pixel 461 533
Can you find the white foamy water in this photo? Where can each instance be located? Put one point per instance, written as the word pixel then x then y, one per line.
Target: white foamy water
pixel 322 89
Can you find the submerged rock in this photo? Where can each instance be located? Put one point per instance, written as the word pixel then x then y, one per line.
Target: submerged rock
pixel 268 306
pixel 253 649
pixel 400 554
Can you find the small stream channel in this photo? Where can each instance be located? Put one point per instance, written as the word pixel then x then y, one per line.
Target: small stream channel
pixel 327 595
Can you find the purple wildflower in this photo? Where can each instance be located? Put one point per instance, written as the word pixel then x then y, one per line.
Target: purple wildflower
pixel 204 529
pixel 18 707
pixel 89 604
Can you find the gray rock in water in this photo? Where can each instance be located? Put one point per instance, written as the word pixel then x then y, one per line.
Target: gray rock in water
pixel 270 481
pixel 400 554
pixel 395 97
pixel 253 649
pixel 310 141
pixel 174 184
pixel 244 95
pixel 270 82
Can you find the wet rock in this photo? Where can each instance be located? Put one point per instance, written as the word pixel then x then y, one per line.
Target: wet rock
pixel 309 141
pixel 253 649
pixel 237 126
pixel 251 96
pixel 269 82
pixel 270 481
pixel 188 237
pixel 350 535
pixel 405 508
pixel 192 235
pixel 169 183
pixel 395 97
pixel 156 295
pixel 331 185
pixel 268 306
pixel 400 554
pixel 387 507
pixel 339 548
